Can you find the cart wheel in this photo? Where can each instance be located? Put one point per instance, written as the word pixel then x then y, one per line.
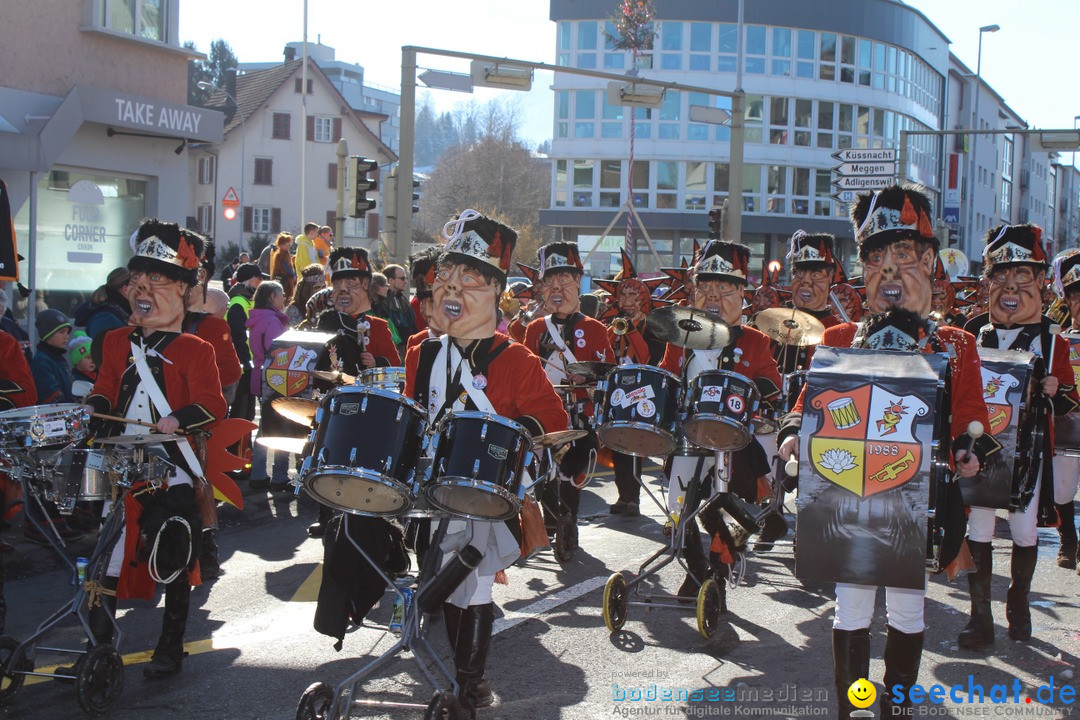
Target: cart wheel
pixel 12 678
pixel 563 546
pixel 100 680
pixel 444 706
pixel 615 602
pixel 708 608
pixel 315 703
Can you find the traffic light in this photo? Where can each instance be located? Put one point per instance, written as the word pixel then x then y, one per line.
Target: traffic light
pixel 416 196
pixel 716 223
pixel 364 180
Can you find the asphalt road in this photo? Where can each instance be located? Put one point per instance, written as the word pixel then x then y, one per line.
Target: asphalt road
pixel 253 650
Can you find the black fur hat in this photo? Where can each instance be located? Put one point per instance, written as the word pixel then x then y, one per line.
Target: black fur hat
pixel 168 249
pixel 897 212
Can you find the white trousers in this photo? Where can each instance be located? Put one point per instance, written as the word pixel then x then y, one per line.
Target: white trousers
pixel 1066 478
pixel 1023 524
pixel 855 607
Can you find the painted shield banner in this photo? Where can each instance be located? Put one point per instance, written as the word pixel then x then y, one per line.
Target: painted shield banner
pixel 870 419
pixel 1006 375
pixel 286 372
pixel 1067 427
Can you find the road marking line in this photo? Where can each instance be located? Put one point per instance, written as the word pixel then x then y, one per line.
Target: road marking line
pixel 309 589
pixel 513 618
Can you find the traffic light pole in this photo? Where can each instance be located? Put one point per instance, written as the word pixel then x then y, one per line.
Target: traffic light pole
pixel 339 213
pixel 403 201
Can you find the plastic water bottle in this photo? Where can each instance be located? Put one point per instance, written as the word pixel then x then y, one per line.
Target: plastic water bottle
pixel 401 608
pixel 81 564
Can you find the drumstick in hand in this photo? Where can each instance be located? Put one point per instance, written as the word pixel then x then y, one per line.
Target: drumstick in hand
pixel 974 431
pixel 117 418
pixel 791 467
pixel 1055 330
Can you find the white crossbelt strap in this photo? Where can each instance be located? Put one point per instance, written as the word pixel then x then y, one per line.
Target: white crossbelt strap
pixel 552 369
pixel 702 360
pixel 162 405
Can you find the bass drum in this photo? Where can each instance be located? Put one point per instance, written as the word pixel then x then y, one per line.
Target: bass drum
pixel 720 408
pixel 639 410
pixel 478 465
pixel 364 451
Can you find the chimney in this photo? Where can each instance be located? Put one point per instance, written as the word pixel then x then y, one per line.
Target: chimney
pixel 290 53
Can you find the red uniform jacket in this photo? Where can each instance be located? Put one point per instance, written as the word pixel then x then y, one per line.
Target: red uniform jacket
pixel 16 381
pixel 637 346
pixel 516 384
pixel 417 338
pixel 379 341
pixel 584 336
pixel 516 330
pixel 215 331
pixel 755 361
pixel 421 324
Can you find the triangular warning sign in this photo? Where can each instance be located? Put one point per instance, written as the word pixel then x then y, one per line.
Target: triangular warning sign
pixel 231 198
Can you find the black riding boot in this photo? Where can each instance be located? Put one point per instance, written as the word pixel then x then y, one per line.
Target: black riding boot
pixel 720 571
pixel 169 653
pixel 979 631
pixel 209 564
pixel 696 565
pixel 1016 601
pixel 1067 532
pixel 471 644
pixel 851 661
pixel 903 652
pixel 318 528
pixel 571 497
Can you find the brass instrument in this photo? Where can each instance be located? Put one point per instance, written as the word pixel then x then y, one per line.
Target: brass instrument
pixel 1058 311
pixel 621 325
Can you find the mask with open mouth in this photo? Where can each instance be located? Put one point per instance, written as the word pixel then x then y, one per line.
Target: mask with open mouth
pixel 157 302
pixel 900 274
pixel 562 293
pixel 350 295
pixel 1015 295
pixel 464 302
pixel 720 298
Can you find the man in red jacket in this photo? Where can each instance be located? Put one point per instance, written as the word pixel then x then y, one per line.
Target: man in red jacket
pixel 566 336
pixel 898 250
pixel 473 367
pixel 153 373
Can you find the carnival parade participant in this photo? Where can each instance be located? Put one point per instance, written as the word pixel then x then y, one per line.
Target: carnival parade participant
pixel 16 390
pixel 1067 467
pixel 633 343
pixel 814 269
pixel 423 265
pixel 153 373
pixel 473 367
pixel 1015 264
pixel 898 250
pixel 363 340
pixel 564 337
pixel 719 279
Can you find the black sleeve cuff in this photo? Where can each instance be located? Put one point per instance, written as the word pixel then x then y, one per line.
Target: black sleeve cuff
pixel 531 424
pixel 9 386
pixel 790 426
pixel 767 388
pixel 1063 403
pixel 192 417
pixel 984 447
pixel 99 403
pixel 380 361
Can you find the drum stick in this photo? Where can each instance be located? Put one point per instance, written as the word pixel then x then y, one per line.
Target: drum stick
pixel 838 307
pixel 975 431
pixel 791 467
pixel 1055 330
pixel 117 418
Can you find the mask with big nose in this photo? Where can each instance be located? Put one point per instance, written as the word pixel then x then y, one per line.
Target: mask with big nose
pixel 899 275
pixel 157 301
pixel 464 302
pixel 721 298
pixel 1015 295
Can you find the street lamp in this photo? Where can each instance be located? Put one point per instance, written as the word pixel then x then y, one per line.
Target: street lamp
pixel 204 85
pixel 975 139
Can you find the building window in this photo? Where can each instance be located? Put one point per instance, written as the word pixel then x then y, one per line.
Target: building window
pixel 700 46
pixel 805 54
pixel 671 45
pixel 324 129
pixel 141 18
pixel 310 86
pixel 755 47
pixel 1007 158
pixel 206 169
pixel 583 182
pixel 264 173
pixel 206 219
pixel 729 40
pixel 1006 200
pixel 588 32
pixel 282 129
pixel 613 59
pixel 781 52
pixel 584 113
pixel 261 220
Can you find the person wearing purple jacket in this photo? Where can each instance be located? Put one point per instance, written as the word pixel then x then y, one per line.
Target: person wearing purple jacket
pixel 266 321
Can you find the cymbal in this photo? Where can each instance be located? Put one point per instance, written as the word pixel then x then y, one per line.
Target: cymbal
pixel 299 410
pixel 137 439
pixel 689 328
pixel 338 378
pixel 287 444
pixel 559 437
pixel 789 326
pixel 590 370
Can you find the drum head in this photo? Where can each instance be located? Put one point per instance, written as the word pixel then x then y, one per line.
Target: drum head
pixel 473 500
pixel 717 433
pixel 637 439
pixel 357 491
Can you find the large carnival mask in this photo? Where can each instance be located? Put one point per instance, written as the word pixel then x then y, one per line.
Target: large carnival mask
pixel 562 290
pixel 721 298
pixel 350 295
pixel 464 302
pixel 810 288
pixel 633 299
pixel 1016 295
pixel 899 275
pixel 157 301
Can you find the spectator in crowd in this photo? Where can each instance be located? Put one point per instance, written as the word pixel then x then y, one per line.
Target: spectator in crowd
pixel 266 261
pixel 227 273
pixel 377 292
pixel 312 279
pixel 241 301
pixel 83 369
pixel 108 307
pixel 245 258
pixel 216 303
pixel 267 321
pixel 281 264
pixel 49 366
pixel 324 244
pixel 306 254
pixel 395 306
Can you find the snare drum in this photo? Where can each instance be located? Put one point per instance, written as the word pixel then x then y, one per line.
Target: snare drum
pixel 387 378
pixel 79 474
pixel 478 466
pixel 719 409
pixel 639 410
pixel 365 446
pixel 43 426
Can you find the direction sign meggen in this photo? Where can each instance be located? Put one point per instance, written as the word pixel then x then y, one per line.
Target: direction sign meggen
pixel 865 168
